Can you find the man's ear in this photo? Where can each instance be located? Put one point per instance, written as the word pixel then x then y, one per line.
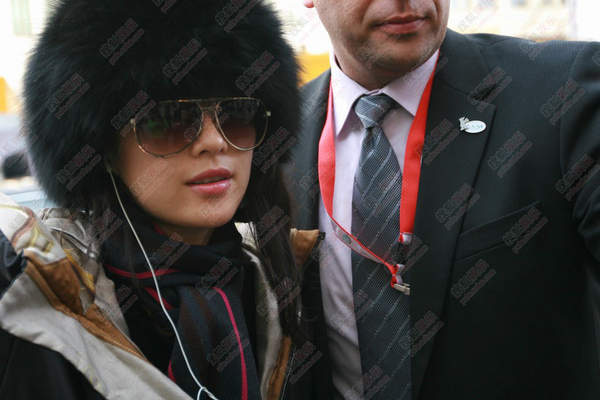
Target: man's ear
pixel 308 3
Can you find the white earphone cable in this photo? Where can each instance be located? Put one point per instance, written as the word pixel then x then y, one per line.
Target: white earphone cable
pixel 202 388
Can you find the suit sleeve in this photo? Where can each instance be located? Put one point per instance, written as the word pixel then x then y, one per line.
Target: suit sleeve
pixel 578 104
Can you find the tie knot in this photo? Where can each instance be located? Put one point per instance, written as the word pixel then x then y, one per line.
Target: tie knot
pixel 371 109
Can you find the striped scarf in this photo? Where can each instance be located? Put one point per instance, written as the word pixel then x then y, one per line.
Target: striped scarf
pixel 207 291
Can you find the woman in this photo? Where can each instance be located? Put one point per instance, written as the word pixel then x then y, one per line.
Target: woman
pixel 144 124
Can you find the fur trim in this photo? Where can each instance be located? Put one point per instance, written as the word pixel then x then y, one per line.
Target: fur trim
pixel 98 62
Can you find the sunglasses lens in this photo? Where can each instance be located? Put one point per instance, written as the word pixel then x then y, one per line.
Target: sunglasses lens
pixel 171 125
pixel 243 121
pixel 168 127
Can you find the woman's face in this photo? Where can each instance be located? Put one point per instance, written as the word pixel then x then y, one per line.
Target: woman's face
pixel 190 192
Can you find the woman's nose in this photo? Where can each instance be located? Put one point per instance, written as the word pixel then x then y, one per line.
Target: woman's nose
pixel 209 138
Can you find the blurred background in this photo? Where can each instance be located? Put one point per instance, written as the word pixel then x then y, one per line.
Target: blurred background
pixel 22 20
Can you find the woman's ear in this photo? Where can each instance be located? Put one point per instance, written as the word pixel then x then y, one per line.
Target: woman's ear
pixel 111 159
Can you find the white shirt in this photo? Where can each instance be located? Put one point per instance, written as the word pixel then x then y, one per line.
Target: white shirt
pixel 335 258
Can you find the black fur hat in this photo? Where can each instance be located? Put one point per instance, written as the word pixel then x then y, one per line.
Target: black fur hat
pixel 98 62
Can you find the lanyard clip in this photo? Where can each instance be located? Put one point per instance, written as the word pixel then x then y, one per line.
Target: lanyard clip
pixel 403 288
pixel 400 285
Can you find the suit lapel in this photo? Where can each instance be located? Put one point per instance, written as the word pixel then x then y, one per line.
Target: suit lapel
pixel 302 167
pixel 450 164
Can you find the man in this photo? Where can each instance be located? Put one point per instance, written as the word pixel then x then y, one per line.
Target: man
pixel 497 295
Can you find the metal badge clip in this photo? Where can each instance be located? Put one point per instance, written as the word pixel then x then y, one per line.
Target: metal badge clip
pixel 403 288
pixel 400 285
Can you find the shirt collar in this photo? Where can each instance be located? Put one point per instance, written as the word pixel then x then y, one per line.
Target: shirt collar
pixel 405 90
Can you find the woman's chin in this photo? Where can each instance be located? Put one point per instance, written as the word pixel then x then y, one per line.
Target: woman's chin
pixel 208 220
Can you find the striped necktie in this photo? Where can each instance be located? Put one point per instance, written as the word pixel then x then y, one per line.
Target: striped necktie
pixel 382 313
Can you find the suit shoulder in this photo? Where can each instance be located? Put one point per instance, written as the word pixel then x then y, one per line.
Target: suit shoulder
pixel 545 54
pixel 315 86
pixel 537 68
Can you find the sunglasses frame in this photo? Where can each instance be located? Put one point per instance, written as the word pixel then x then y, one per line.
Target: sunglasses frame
pixel 214 103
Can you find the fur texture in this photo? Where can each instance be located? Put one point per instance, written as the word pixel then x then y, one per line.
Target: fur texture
pixel 95 56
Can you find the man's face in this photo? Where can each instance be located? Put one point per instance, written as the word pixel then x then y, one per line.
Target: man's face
pixel 376 41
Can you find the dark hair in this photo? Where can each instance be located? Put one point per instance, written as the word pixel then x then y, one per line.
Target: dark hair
pixel 97 63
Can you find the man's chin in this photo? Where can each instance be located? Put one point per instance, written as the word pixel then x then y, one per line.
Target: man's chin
pixel 409 50
pixel 397 63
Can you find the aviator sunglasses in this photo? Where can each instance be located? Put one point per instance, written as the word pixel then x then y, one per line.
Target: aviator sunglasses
pixel 172 125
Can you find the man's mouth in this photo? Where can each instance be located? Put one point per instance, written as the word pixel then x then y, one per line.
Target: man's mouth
pixel 402 24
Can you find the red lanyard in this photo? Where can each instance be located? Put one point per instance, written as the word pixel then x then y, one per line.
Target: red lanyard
pixel 410 183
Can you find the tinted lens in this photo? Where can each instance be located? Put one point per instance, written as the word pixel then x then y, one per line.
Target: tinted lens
pixel 168 127
pixel 243 121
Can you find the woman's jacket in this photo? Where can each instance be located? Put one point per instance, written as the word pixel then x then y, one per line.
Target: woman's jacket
pixel 62 331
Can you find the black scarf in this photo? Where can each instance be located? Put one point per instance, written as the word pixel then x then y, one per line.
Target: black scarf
pixel 208 293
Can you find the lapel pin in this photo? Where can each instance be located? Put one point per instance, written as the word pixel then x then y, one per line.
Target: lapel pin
pixel 471 126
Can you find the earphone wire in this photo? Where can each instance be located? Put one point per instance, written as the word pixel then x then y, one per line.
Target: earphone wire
pixel 187 363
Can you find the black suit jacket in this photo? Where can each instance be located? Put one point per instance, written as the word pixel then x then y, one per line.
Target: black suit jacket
pixel 505 273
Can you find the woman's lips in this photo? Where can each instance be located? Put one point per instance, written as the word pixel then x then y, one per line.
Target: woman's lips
pixel 402 26
pixel 212 188
pixel 211 182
